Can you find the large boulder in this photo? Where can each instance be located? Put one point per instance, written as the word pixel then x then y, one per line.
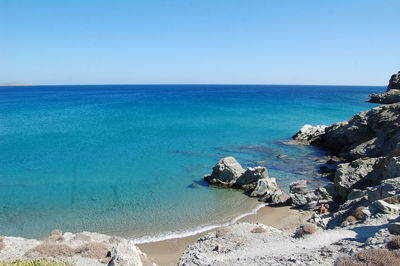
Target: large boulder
pixel 268 190
pixel 357 174
pixel 225 172
pixel 308 134
pixel 248 180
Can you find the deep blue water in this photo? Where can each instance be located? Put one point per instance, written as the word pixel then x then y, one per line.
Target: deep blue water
pixel 130 159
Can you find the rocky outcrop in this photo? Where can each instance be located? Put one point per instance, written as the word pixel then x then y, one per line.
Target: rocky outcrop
pixel 372 133
pixel 84 248
pixel 225 172
pixel 394 82
pixel 255 180
pixel 392 96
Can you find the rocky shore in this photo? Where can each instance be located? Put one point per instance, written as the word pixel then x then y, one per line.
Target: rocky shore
pixel 83 248
pixel 356 217
pixel 352 221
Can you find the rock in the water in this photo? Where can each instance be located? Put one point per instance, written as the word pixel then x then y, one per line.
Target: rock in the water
pixel 384 207
pixel 394 82
pixel 249 178
pixel 394 228
pixel 268 190
pixel 225 172
pixel 357 174
pixel 308 134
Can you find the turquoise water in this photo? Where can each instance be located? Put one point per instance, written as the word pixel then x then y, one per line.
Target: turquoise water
pixel 129 159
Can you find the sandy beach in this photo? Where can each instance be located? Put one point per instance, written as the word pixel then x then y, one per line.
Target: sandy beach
pixel 168 252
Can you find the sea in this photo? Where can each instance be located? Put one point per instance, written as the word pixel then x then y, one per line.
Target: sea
pixel 129 160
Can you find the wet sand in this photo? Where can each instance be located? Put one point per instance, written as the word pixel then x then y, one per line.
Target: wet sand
pixel 168 252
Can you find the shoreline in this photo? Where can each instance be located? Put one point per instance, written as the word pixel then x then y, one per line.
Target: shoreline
pixel 168 235
pixel 168 251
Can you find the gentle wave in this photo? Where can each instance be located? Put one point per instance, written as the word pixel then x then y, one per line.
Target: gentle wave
pixel 198 230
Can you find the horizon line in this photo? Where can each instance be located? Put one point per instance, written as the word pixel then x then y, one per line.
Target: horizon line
pixel 182 84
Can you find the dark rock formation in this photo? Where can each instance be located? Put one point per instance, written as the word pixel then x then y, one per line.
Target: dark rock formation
pixel 392 96
pixel 394 82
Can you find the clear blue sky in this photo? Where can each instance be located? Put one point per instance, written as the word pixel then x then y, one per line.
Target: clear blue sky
pixel 199 41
